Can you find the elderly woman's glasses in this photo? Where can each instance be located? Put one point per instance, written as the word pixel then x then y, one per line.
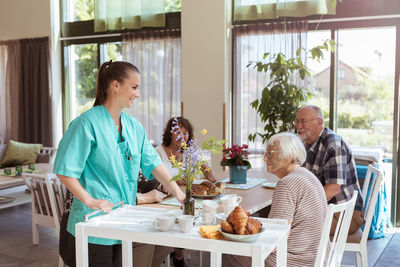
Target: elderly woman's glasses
pixel 268 153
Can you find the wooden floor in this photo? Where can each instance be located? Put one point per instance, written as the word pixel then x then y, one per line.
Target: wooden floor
pixel 16 247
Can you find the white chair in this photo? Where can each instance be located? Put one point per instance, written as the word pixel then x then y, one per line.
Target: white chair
pixel 357 242
pixel 331 248
pixel 48 199
pixel 51 151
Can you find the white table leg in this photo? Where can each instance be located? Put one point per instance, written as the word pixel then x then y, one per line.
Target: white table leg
pixel 257 259
pixel 215 259
pixel 281 253
pixel 81 243
pixel 127 254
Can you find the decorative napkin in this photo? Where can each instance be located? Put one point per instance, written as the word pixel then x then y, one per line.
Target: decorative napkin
pixel 251 182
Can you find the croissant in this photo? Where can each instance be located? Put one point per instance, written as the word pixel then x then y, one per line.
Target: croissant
pixel 226 227
pixel 238 219
pixel 252 226
pixel 209 185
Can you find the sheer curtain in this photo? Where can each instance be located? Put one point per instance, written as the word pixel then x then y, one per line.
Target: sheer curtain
pixel 131 14
pixel 250 44
pixel 9 84
pixel 3 98
pixel 272 9
pixel 157 54
pixel 25 85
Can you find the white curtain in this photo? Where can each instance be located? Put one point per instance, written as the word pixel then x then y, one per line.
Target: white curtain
pixel 3 99
pixel 157 54
pixel 250 44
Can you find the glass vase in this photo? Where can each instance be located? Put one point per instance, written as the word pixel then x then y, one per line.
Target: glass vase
pixel 188 202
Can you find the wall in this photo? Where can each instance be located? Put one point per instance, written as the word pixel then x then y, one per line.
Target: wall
pixel 206 68
pixel 24 19
pixel 29 19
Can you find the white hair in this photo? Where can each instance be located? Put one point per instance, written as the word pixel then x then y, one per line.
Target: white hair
pixel 290 146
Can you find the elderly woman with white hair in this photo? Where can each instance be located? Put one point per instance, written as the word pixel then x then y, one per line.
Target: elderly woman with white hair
pixel 298 198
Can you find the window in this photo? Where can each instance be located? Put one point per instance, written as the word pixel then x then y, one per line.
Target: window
pixel 366 95
pixel 78 10
pixel 83 56
pixel 341 74
pixel 81 68
pixel 319 81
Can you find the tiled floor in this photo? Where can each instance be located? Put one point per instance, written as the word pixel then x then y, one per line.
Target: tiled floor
pixel 16 247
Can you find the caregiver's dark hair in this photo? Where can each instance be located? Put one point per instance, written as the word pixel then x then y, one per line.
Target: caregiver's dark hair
pixel 111 71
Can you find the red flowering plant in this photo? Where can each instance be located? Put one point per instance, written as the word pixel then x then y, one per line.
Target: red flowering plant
pixel 236 156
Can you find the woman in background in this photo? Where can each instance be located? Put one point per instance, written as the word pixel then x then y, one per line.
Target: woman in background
pixel 172 143
pixel 100 155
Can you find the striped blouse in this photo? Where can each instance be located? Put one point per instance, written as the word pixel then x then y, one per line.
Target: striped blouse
pixel 300 198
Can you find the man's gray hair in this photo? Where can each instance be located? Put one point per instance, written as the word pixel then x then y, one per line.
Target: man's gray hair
pixel 317 111
pixel 290 146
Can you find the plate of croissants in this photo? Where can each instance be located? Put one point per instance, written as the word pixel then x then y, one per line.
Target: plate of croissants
pixel 207 190
pixel 239 226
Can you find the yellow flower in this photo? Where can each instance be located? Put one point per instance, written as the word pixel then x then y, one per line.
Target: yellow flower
pixel 204 132
pixel 172 159
pixel 184 145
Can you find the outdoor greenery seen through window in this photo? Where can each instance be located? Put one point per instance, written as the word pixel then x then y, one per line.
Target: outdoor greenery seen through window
pixel 82 10
pixel 365 85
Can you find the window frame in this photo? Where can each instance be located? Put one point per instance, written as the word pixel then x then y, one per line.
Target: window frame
pixel 354 14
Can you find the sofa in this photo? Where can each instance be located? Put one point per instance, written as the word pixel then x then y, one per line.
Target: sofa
pixel 17 153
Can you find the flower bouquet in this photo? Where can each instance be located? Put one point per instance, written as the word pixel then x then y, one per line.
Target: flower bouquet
pixel 236 158
pixel 194 156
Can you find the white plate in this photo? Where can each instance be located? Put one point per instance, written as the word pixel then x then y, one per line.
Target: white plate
pixel 207 196
pixel 220 216
pixel 269 184
pixel 243 238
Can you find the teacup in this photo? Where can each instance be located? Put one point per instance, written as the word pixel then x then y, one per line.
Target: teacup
pixel 228 209
pixel 208 217
pixel 164 223
pixel 209 206
pixel 231 199
pixel 185 223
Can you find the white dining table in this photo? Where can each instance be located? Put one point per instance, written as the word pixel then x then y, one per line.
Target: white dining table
pixel 135 224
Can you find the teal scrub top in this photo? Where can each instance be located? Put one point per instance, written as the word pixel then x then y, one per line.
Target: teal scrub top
pixel 106 165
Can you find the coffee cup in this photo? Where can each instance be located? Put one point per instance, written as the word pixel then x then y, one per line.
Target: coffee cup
pixel 209 206
pixel 228 209
pixel 208 217
pixel 231 200
pixel 185 223
pixel 164 223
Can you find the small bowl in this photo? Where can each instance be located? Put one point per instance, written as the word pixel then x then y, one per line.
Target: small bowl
pixel 243 238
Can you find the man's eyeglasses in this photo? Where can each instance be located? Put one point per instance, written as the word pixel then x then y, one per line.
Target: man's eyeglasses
pixel 303 122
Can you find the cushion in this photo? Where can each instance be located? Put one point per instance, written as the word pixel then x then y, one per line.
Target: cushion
pixel 20 154
pixel 3 148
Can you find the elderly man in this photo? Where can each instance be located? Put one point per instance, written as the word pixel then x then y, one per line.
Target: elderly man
pixel 329 157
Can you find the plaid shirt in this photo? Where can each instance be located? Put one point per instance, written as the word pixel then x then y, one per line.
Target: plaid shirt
pixel 331 160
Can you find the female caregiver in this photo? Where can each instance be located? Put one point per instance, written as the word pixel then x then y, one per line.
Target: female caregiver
pixel 99 157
